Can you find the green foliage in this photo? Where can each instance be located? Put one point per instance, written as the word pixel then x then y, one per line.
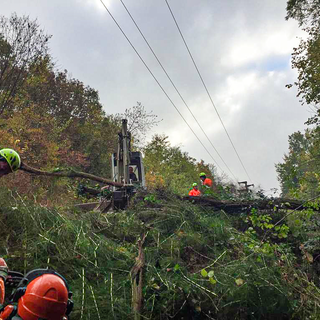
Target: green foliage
pixel 22 44
pixel 299 174
pixel 196 260
pixel 168 166
pixel 306 57
pixel 152 198
pixel 263 222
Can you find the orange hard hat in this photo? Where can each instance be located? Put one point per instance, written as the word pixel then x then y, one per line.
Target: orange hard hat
pixel 3 263
pixel 45 297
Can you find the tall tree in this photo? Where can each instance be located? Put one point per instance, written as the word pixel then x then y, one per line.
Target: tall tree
pixel 299 174
pixel 306 57
pixel 169 166
pixel 22 43
pixel 139 122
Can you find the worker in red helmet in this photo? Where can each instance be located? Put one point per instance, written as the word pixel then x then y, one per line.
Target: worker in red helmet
pixel 41 294
pixel 195 192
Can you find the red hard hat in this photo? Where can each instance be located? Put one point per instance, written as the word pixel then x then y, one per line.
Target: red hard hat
pixel 46 297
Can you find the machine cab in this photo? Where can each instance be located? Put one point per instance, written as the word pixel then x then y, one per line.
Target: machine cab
pixel 135 170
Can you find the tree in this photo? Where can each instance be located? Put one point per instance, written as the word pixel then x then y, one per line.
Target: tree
pixel 139 122
pixel 22 43
pixel 299 174
pixel 168 166
pixel 306 57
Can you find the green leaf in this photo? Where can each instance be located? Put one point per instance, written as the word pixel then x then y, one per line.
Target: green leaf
pixel 176 267
pixel 212 280
pixel 204 273
pixel 211 274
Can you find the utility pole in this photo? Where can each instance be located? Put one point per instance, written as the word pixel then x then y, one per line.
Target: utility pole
pixel 246 185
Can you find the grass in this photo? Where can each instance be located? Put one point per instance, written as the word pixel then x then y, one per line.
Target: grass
pixel 243 279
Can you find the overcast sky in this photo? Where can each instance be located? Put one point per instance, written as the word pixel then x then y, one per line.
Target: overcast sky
pixel 242 49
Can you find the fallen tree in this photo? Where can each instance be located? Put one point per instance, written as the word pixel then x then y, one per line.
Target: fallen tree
pixel 69 173
pixel 227 206
pixel 237 207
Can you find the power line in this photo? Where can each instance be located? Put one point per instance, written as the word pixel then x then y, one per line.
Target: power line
pixel 225 129
pixel 115 21
pixel 164 70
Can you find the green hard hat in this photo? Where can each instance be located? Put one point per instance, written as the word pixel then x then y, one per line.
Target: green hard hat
pixel 12 157
pixel 202 174
pixel 194 184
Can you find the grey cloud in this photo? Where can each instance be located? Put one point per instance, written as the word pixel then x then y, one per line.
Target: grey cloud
pixel 259 117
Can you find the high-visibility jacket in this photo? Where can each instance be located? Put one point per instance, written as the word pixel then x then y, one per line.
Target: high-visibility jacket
pixel 207 182
pixel 3 277
pixel 2 291
pixel 194 193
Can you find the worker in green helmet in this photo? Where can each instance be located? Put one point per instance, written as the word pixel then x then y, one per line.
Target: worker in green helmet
pixel 205 181
pixel 9 161
pixel 195 192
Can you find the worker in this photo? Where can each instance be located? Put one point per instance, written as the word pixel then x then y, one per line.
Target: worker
pixel 9 161
pixel 132 175
pixel 195 192
pixel 205 181
pixel 3 278
pixel 41 294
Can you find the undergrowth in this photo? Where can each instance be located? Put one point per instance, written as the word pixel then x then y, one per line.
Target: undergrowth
pixel 199 263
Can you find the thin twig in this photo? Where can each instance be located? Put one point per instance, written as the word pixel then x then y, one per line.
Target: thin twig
pixel 95 302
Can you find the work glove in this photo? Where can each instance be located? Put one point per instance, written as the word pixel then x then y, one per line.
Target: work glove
pixel 3 269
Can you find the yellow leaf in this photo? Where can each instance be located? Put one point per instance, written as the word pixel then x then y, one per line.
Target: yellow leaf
pixel 239 282
pixel 155 286
pixel 309 257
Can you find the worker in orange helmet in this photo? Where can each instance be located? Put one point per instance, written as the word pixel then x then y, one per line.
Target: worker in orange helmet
pixel 41 294
pixel 3 278
pixel 195 192
pixel 205 181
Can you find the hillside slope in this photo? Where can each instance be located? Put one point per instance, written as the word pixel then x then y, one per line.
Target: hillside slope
pixel 199 263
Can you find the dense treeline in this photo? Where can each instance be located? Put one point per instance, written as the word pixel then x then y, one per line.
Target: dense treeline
pixel 52 120
pixel 299 174
pixel 55 121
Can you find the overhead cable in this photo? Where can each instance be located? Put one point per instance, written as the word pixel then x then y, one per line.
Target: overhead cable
pixel 164 70
pixel 225 129
pixel 135 50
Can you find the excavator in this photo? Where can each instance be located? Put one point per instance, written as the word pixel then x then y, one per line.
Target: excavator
pixel 124 161
pixel 128 176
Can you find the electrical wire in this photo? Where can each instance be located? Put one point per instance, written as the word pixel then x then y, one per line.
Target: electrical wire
pixel 164 70
pixel 135 50
pixel 225 129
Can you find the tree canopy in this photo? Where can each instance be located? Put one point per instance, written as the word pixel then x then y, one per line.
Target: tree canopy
pixel 306 57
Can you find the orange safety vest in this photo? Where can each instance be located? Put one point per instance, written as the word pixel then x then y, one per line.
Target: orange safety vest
pixel 2 291
pixel 194 193
pixel 207 182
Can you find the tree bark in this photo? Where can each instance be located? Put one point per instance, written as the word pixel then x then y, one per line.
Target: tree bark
pixel 69 174
pixel 237 207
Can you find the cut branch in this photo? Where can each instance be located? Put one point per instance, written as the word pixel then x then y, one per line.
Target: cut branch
pixel 69 173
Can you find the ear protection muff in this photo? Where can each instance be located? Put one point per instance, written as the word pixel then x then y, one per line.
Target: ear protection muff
pixel 10 313
pixel 22 286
